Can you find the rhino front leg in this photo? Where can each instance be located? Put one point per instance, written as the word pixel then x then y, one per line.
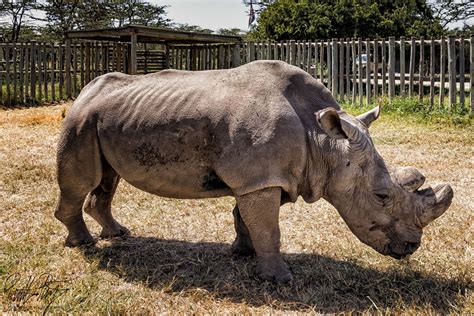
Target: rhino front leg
pixel 259 211
pixel 99 202
pixel 242 244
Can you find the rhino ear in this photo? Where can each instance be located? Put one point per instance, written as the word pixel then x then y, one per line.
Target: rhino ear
pixel 368 117
pixel 330 123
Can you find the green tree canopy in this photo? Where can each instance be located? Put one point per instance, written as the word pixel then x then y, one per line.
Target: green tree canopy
pixel 310 19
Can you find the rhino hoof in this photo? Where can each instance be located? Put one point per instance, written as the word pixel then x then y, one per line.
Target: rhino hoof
pixel 116 231
pixel 242 250
pixel 77 241
pixel 284 277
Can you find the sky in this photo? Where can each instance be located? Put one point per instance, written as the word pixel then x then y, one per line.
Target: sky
pixel 209 14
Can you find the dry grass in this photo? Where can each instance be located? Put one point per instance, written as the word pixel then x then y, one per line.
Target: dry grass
pixel 178 257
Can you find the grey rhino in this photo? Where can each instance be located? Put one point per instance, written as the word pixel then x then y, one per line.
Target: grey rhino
pixel 248 132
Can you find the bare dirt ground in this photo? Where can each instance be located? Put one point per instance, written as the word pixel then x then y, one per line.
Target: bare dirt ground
pixel 178 259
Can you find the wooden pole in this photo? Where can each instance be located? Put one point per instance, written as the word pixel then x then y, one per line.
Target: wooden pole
pixel 7 74
pixel 348 68
pixel 461 74
pixel 341 70
pixel 412 67
pixel 21 75
pixel 451 72
pixel 422 69
pixel 361 87
pixel 316 58
pixel 321 63
pixel 376 69
pixel 334 67
pixel 367 72
pixel 329 64
pixel 442 61
pixel 15 84
pixel 88 62
pixel 432 72
pixel 354 70
pixel 236 55
pixel 402 65
pixel 292 52
pixel 53 69
pixel 68 68
pixel 471 78
pixel 391 64
pixel 133 53
pixel 384 67
pixel 33 70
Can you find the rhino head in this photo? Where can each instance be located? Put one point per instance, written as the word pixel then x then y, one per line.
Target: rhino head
pixel 384 208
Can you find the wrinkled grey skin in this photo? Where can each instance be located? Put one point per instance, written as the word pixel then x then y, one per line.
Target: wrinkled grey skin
pixel 249 132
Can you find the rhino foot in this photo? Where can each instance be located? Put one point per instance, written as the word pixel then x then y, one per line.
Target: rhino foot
pixel 79 240
pixel 116 230
pixel 274 269
pixel 243 249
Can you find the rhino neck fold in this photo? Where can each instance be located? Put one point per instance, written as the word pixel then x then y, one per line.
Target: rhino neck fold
pixel 323 155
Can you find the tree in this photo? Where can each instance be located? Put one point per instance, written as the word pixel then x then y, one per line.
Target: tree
pixel 311 19
pixel 449 11
pixel 191 28
pixel 138 12
pixel 15 11
pixel 60 16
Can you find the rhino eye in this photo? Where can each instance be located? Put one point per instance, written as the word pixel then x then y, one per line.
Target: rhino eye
pixel 382 197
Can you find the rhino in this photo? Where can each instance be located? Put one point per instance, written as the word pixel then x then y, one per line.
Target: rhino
pixel 265 133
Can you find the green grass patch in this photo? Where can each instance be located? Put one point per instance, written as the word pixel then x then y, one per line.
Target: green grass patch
pixel 413 110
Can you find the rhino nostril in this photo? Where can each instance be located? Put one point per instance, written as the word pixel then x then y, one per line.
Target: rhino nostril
pixel 411 246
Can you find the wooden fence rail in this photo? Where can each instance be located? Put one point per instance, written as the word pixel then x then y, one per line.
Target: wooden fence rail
pixel 437 71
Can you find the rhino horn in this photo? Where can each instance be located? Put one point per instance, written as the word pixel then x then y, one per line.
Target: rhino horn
pixel 408 178
pixel 436 201
pixel 368 117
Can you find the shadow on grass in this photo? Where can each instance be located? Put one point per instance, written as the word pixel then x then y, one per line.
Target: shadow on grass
pixel 322 284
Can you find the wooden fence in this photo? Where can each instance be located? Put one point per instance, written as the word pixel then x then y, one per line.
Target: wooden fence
pixel 359 71
pixel 439 71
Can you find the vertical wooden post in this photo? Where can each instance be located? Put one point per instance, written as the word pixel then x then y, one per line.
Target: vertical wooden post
pixel 133 53
pixel 15 84
pixel 376 68
pixel 341 70
pixel 27 72
pixel 402 65
pixel 432 72
pixel 354 70
pixel 21 77
pixel 88 62
pixel 412 67
pixel 471 77
pixel 309 58
pixel 348 68
pixel 361 86
pixel 321 63
pixel 442 61
pixel 43 60
pixel 316 59
pixel 236 55
pixel 384 68
pixel 74 70
pixel 7 73
pixel 68 68
pixel 53 69
pixel 391 64
pixel 461 74
pixel 292 52
pixel 367 72
pixel 33 70
pixel 329 64
pixel 422 69
pixel 451 72
pixel 334 67
pixel 2 54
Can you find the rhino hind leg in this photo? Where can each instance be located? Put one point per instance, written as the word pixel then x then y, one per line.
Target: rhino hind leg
pixel 99 201
pixel 242 244
pixel 259 211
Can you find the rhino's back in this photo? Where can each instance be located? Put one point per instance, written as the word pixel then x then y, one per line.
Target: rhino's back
pixel 200 134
